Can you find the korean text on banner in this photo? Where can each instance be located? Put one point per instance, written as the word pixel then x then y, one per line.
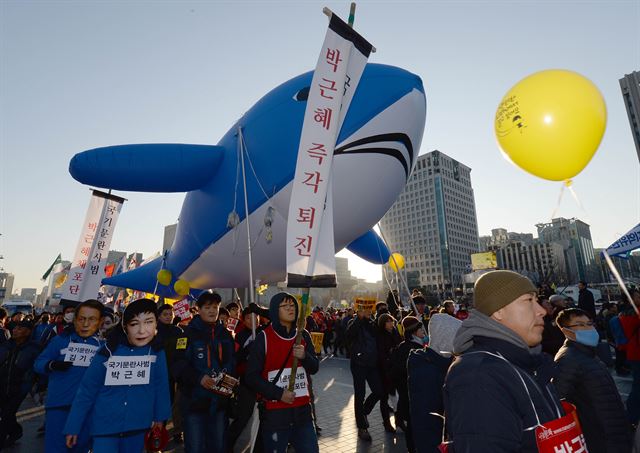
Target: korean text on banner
pixel 87 268
pixel 310 245
pixel 627 243
pixel 181 309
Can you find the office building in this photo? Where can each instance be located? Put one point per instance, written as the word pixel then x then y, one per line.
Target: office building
pixel 575 237
pixel 6 286
pixel 630 86
pixel 539 261
pixel 433 223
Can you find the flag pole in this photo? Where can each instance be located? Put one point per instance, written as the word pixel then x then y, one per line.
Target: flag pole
pixel 246 211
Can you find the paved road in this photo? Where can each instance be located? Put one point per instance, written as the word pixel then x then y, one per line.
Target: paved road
pixel 334 407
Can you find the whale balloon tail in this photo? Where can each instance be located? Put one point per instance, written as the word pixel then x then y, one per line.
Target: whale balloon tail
pixel 158 167
pixel 370 247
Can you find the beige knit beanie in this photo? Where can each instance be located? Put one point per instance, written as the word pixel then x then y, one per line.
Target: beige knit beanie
pixel 497 289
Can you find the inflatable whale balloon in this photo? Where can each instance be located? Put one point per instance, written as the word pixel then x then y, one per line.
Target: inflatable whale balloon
pixel 375 153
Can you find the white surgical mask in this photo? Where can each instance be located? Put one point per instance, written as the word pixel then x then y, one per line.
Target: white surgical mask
pixel 68 317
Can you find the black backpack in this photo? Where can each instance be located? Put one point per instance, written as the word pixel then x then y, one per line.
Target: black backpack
pixel 363 350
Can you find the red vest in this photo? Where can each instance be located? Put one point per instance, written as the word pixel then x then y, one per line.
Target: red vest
pixel 276 350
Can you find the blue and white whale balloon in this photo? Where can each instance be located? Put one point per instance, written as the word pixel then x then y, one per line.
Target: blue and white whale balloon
pixel 375 154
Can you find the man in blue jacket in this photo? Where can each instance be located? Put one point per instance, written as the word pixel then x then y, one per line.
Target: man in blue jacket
pixel 207 347
pixel 65 361
pixel 499 389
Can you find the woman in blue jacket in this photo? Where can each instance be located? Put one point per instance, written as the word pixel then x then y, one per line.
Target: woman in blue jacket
pixel 65 360
pixel 126 389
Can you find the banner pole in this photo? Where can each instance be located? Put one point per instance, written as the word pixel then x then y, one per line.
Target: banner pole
pixel 301 321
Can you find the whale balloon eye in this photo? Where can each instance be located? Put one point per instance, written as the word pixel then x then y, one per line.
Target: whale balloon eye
pixel 302 95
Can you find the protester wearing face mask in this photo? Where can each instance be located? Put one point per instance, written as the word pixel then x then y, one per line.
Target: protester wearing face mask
pixel 586 382
pixel 415 337
pixel 65 361
pixel 125 391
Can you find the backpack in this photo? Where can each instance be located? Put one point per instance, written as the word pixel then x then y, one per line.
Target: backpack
pixel 364 351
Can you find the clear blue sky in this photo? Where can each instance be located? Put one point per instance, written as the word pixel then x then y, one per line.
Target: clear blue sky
pixel 76 75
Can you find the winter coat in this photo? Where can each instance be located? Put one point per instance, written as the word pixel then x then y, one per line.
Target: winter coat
pixel 398 363
pixel 202 350
pixel 552 336
pixel 16 367
pixel 386 342
pixel 63 385
pixel 487 408
pixel 586 382
pixel 586 302
pixel 117 409
pixel 426 372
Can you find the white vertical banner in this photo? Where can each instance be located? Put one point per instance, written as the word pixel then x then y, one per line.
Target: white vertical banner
pixel 90 259
pixel 310 245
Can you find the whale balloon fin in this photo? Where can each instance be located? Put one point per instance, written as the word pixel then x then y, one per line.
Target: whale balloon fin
pixel 144 278
pixel 370 247
pixel 159 167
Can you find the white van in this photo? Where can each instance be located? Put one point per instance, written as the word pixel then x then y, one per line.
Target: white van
pixel 17 305
pixel 573 292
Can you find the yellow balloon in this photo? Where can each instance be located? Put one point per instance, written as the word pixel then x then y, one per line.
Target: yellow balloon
pixel 551 123
pixel 182 287
pixel 164 276
pixel 396 262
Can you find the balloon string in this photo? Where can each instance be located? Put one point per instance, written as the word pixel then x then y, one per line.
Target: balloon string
pixel 555 210
pixel 580 205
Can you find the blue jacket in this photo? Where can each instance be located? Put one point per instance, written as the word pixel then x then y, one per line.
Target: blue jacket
pixel 62 384
pixel 202 349
pixel 42 333
pixel 120 408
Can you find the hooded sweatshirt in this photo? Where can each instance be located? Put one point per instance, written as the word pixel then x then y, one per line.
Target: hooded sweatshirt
pixel 488 409
pixel 259 350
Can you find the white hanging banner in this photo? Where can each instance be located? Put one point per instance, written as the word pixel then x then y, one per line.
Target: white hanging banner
pixel 87 268
pixel 310 245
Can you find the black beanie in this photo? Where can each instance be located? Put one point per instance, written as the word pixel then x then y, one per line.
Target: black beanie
pixel 136 307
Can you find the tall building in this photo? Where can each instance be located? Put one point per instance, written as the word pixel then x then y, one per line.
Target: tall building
pixel 575 237
pixel 433 223
pixel 500 236
pixel 6 285
pixel 541 262
pixel 630 86
pixel 28 294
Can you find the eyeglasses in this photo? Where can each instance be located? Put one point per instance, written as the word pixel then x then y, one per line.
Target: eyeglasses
pixel 583 324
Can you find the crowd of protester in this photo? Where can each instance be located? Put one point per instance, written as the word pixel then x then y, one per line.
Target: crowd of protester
pixel 492 373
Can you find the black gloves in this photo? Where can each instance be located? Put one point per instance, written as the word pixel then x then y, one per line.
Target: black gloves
pixel 59 365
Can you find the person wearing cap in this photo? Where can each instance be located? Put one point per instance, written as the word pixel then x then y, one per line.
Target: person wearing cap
pixel 583 380
pixel 65 371
pixel 426 370
pixel 421 305
pixel 206 349
pixel 415 337
pixel 125 391
pixel 17 356
pixel 500 375
pixel 286 418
